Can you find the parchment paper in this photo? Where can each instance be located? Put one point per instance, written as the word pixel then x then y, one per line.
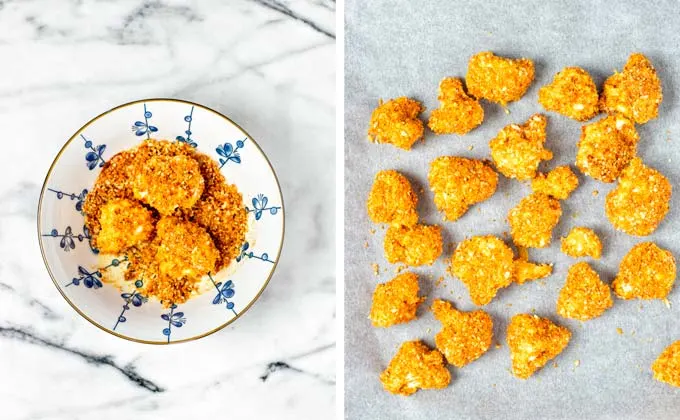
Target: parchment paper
pixel 404 47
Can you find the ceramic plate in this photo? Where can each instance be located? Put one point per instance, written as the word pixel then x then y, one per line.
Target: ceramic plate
pixel 73 263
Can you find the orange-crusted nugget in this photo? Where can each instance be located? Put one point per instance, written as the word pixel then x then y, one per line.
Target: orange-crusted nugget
pixel 645 272
pixel 534 341
pixel 458 113
pixel 392 200
pixel 640 201
pixel 572 93
pixel 485 265
pixel 415 367
pixel 185 250
pixel 606 146
pixel 498 79
pixel 533 219
pixel 582 242
pixel 396 122
pixel 666 368
pixel 124 223
pixel 584 296
pixel 517 150
pixel 635 93
pixel 458 183
pixel 465 336
pixel 415 245
pixel 558 183
pixel 396 301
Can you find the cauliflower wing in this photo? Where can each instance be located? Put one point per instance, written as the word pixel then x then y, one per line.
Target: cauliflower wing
pixel 517 150
pixel 498 79
pixel 396 122
pixel 458 113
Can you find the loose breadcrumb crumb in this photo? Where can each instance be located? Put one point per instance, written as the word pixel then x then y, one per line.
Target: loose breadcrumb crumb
pixel 584 296
pixel 619 331
pixel 533 342
pixel 498 79
pixel 517 150
pixel 635 92
pixel 465 336
pixel 572 93
pixel 458 183
pixel 484 264
pixel 606 147
pixel 392 200
pixel 458 112
pixel 396 301
pixel 640 201
pixel 666 368
pixel 415 367
pixel 376 269
pixel 396 122
pixel 415 245
pixel 526 271
pixel 645 272
pixel 533 219
pixel 582 242
pixel 558 183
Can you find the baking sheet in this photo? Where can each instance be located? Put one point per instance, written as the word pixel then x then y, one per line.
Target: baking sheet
pixel 404 47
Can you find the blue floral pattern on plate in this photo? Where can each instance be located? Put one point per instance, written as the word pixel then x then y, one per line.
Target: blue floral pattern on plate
pixel 230 153
pixel 94 156
pixel 175 319
pixel 260 205
pixel 188 140
pixel 249 254
pixel 224 293
pixel 80 198
pixel 143 127
pixel 67 242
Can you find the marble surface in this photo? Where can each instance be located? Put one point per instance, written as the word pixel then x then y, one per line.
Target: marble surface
pixel 269 65
pixel 396 48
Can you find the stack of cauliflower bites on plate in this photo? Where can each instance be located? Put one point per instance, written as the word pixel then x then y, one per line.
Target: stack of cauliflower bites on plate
pixel 607 151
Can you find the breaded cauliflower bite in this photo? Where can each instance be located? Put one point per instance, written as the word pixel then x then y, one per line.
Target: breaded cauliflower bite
pixel 415 245
pixel 458 183
pixel 645 272
pixel 558 183
pixel 124 223
pixel 533 219
pixel 392 200
pixel 582 242
pixel 458 113
pixel 485 265
pixel 640 201
pixel 584 296
pixel 182 187
pixel 606 147
pixel 571 93
pixel 396 301
pixel 666 368
pixel 396 122
pixel 534 341
pixel 415 367
pixel 526 271
pixel 498 79
pixel 185 249
pixel 517 150
pixel 465 336
pixel 635 93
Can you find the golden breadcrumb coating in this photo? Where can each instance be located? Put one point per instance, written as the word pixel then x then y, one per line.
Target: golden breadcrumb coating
pixel 392 200
pixel 517 150
pixel 666 367
pixel 396 122
pixel 635 93
pixel 415 367
pixel 558 183
pixel 396 301
pixel 182 184
pixel 414 245
pixel 458 183
pixel 645 272
pixel 485 265
pixel 582 242
pixel 572 93
pixel 458 113
pixel 606 146
pixel 185 249
pixel 526 271
pixel 124 223
pixel 465 336
pixel 498 79
pixel 533 219
pixel 640 201
pixel 534 341
pixel 584 296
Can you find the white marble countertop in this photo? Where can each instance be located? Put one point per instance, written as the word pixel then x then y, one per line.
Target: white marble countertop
pixel 269 65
